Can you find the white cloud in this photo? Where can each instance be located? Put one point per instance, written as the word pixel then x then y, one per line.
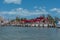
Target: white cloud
pixel 13 1
pixel 35 7
pixel 25 12
pixel 38 7
pixel 55 10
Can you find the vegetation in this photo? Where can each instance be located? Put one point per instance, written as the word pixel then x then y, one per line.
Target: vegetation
pixel 17 19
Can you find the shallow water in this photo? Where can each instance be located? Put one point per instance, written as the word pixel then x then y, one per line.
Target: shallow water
pixel 29 33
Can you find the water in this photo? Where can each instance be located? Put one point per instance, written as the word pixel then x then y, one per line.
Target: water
pixel 29 33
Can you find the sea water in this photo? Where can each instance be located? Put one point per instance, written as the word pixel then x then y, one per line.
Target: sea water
pixel 29 33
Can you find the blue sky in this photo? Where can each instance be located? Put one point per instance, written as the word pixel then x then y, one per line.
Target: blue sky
pixel 9 9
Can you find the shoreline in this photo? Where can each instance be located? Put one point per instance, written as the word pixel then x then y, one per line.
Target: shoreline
pixel 29 26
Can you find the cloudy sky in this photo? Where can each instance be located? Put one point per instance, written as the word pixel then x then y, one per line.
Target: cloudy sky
pixel 9 9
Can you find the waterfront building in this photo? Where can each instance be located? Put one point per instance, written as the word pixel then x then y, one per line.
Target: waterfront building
pixel 1 19
pixel 41 25
pixel 36 22
pixel 45 25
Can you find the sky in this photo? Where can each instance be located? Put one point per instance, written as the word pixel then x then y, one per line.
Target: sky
pixel 9 9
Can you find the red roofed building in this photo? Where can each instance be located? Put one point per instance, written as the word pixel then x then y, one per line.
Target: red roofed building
pixel 36 20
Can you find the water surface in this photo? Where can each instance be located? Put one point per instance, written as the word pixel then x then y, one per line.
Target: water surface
pixel 29 33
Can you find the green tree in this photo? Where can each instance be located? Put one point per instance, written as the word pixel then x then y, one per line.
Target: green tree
pixel 51 20
pixel 50 17
pixel 23 19
pixel 17 19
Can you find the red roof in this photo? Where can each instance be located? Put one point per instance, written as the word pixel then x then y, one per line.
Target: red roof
pixel 35 20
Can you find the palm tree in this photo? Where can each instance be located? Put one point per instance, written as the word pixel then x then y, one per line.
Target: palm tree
pixel 51 20
pixel 23 19
pixel 17 19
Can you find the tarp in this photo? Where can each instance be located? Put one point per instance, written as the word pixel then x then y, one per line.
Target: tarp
pixel 58 22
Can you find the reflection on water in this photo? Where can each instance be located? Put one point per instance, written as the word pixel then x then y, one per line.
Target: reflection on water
pixel 29 33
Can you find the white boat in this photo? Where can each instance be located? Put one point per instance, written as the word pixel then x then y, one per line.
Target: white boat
pixel 36 25
pixel 32 25
pixel 58 24
pixel 41 25
pixel 50 25
pixel 45 25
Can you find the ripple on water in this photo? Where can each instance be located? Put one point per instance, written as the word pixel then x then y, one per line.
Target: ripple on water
pixel 29 33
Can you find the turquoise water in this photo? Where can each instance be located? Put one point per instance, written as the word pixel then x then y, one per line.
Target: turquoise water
pixel 29 33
